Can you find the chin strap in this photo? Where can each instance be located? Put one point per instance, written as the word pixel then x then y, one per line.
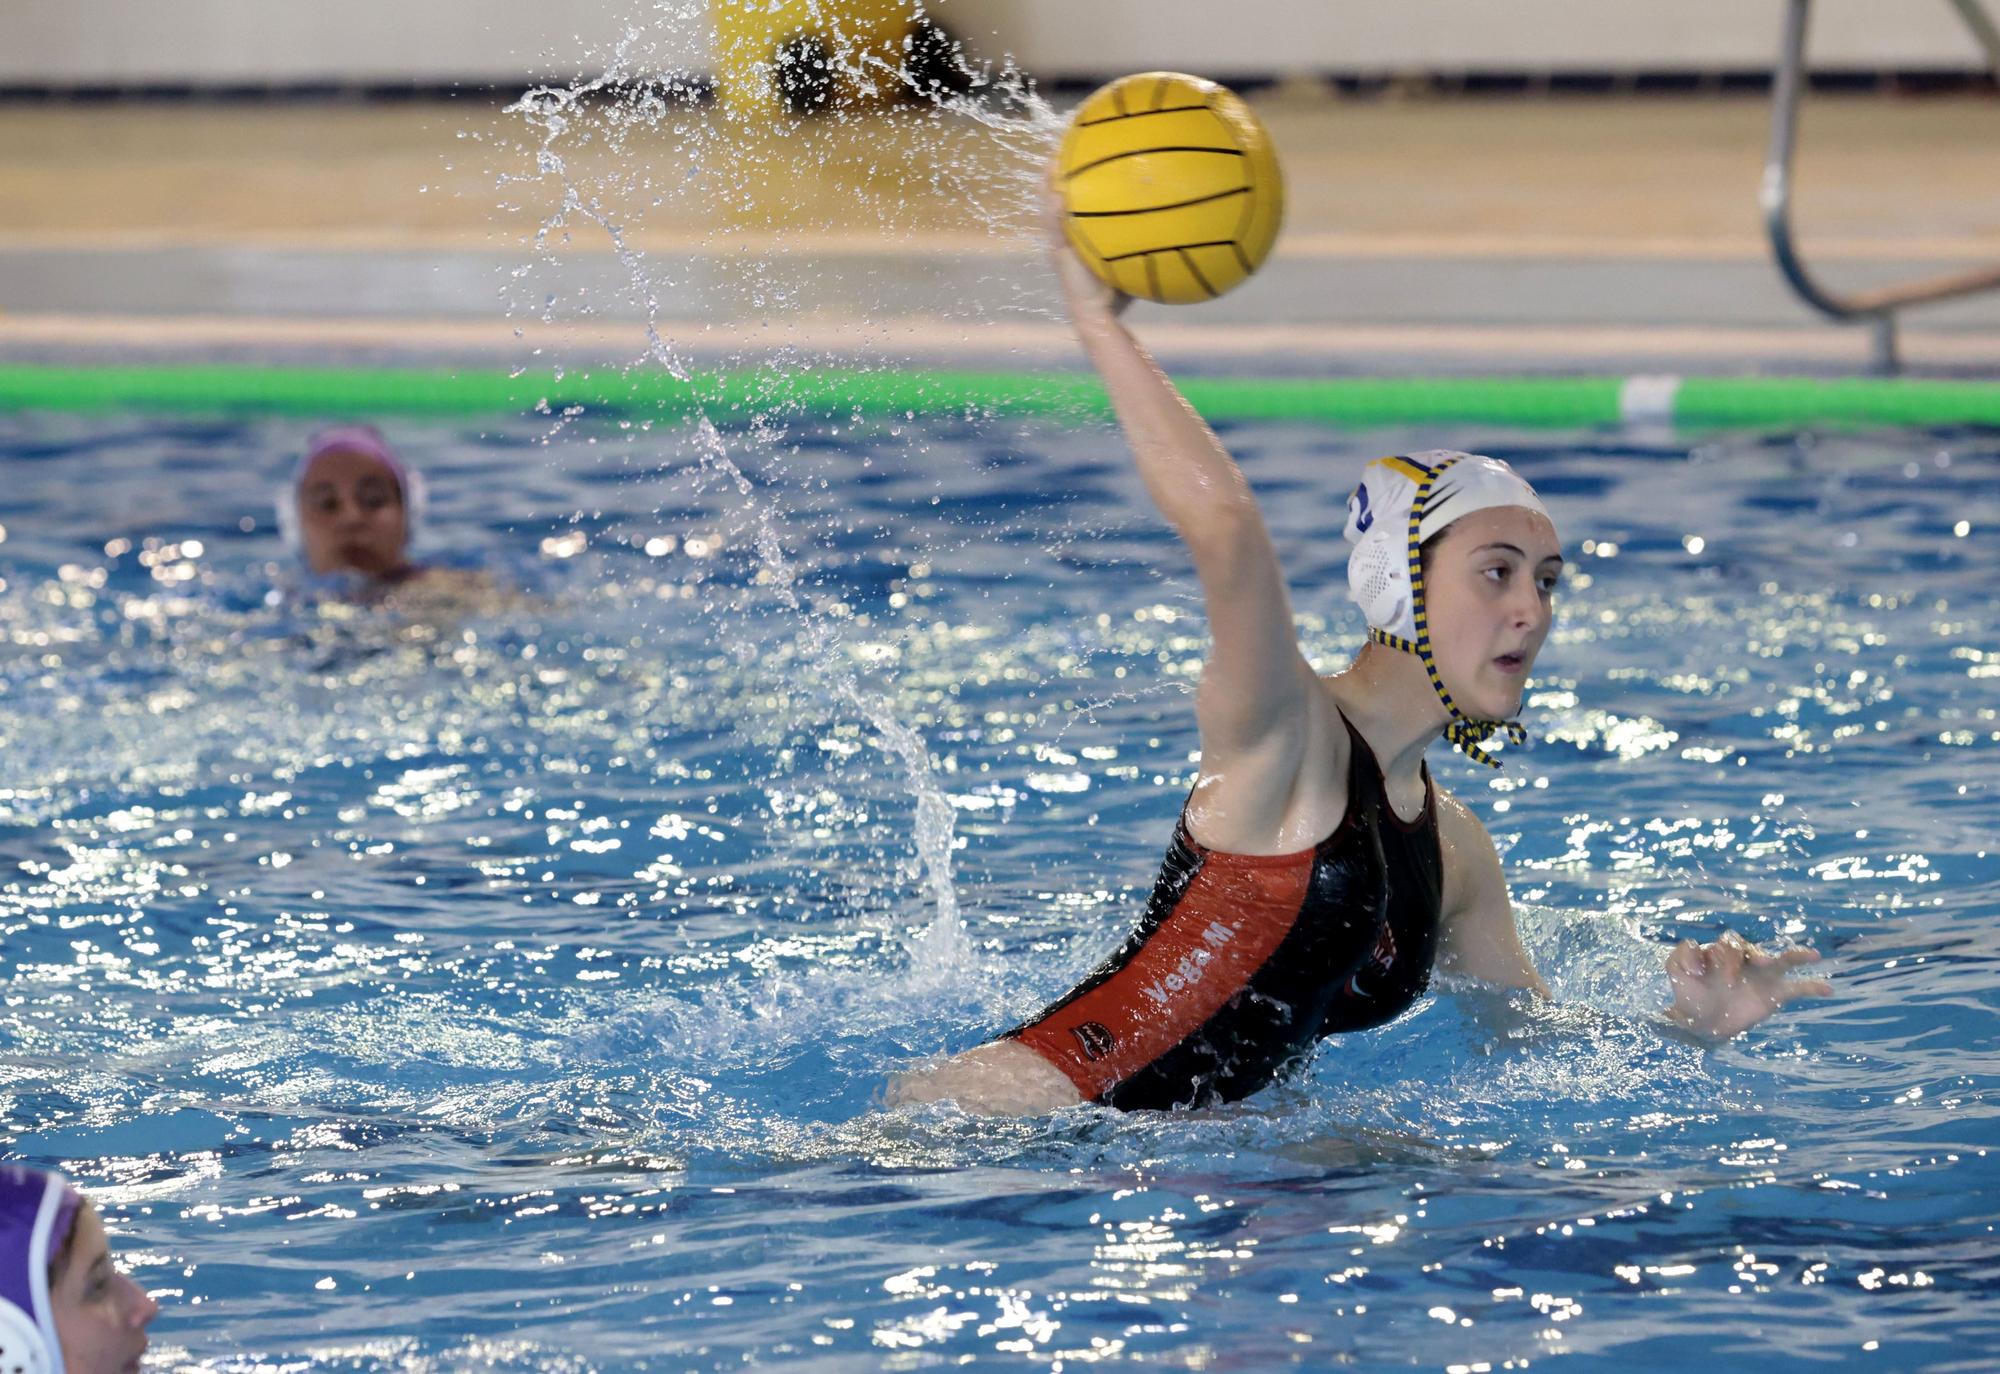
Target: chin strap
pixel 1464 732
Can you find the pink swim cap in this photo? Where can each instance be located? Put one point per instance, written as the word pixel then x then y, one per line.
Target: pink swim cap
pixel 353 439
pixel 364 439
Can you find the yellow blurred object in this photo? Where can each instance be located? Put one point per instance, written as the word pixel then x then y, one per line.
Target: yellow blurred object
pixel 801 56
pixel 1171 187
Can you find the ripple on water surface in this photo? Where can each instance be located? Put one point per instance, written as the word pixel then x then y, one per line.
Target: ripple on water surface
pixel 515 991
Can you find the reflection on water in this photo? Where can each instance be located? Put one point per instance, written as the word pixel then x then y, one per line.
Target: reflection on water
pixel 516 990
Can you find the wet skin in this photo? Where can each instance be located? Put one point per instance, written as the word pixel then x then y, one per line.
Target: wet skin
pixel 1273 741
pixel 101 1315
pixel 1489 593
pixel 352 517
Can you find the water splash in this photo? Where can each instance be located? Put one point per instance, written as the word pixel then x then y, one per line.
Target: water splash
pixel 1023 127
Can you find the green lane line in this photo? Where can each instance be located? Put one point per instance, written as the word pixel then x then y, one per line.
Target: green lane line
pixel 1791 401
pixel 1523 402
pixel 1528 402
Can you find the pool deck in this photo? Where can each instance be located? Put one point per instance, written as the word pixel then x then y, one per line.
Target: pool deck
pixel 1425 235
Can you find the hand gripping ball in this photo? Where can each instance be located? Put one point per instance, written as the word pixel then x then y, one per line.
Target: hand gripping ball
pixel 1170 187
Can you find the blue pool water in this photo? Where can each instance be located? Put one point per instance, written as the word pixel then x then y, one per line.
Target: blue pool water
pixel 514 991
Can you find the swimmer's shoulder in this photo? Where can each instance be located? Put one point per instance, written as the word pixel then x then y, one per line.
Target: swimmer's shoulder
pixel 1330 733
pixel 1319 794
pixel 430 592
pixel 1472 871
pixel 1479 937
pixel 457 581
pixel 1457 824
pixel 1285 794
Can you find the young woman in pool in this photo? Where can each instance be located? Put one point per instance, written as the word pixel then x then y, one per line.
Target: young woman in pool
pixel 1317 873
pixel 353 507
pixel 64 1307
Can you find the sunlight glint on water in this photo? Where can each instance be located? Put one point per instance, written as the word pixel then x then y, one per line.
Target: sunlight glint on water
pixel 554 959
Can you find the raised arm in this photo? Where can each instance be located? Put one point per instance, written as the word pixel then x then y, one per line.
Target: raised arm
pixel 1256 686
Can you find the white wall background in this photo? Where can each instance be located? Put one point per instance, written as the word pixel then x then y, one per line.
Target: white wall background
pixel 1219 36
pixel 257 41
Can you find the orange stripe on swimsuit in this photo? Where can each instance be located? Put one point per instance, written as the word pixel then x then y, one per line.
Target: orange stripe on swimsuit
pixel 1243 961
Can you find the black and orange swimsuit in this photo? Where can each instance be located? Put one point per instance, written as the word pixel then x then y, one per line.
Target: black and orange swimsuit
pixel 1244 961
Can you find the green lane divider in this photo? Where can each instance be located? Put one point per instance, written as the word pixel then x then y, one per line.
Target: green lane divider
pixel 1526 402
pixel 1531 402
pixel 1784 401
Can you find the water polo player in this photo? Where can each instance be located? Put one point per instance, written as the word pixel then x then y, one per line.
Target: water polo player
pixel 64 1306
pixel 354 509
pixel 353 506
pixel 1317 873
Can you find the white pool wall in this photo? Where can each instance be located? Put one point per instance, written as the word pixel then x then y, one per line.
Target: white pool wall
pixel 235 42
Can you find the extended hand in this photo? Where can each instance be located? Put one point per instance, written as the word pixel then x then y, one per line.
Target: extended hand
pixel 1725 988
pixel 1090 301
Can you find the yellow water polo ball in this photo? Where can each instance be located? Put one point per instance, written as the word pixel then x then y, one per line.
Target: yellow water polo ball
pixel 1171 187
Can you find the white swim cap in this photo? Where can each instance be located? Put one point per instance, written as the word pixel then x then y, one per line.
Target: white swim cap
pixel 1399 503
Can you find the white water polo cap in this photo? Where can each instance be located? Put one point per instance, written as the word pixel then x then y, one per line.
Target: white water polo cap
pixel 37 1212
pixel 1399 503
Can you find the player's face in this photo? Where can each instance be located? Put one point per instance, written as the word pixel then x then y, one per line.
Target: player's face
pixel 351 514
pixel 101 1315
pixel 1489 596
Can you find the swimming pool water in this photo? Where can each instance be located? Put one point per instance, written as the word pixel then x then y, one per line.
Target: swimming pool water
pixel 514 991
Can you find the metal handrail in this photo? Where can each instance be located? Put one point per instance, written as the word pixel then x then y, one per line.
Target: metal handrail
pixel 1878 306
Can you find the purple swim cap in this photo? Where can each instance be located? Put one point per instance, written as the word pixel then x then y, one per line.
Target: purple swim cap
pixel 37 1213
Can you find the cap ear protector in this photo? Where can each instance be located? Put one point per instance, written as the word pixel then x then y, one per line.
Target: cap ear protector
pixel 1385 572
pixel 21 1345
